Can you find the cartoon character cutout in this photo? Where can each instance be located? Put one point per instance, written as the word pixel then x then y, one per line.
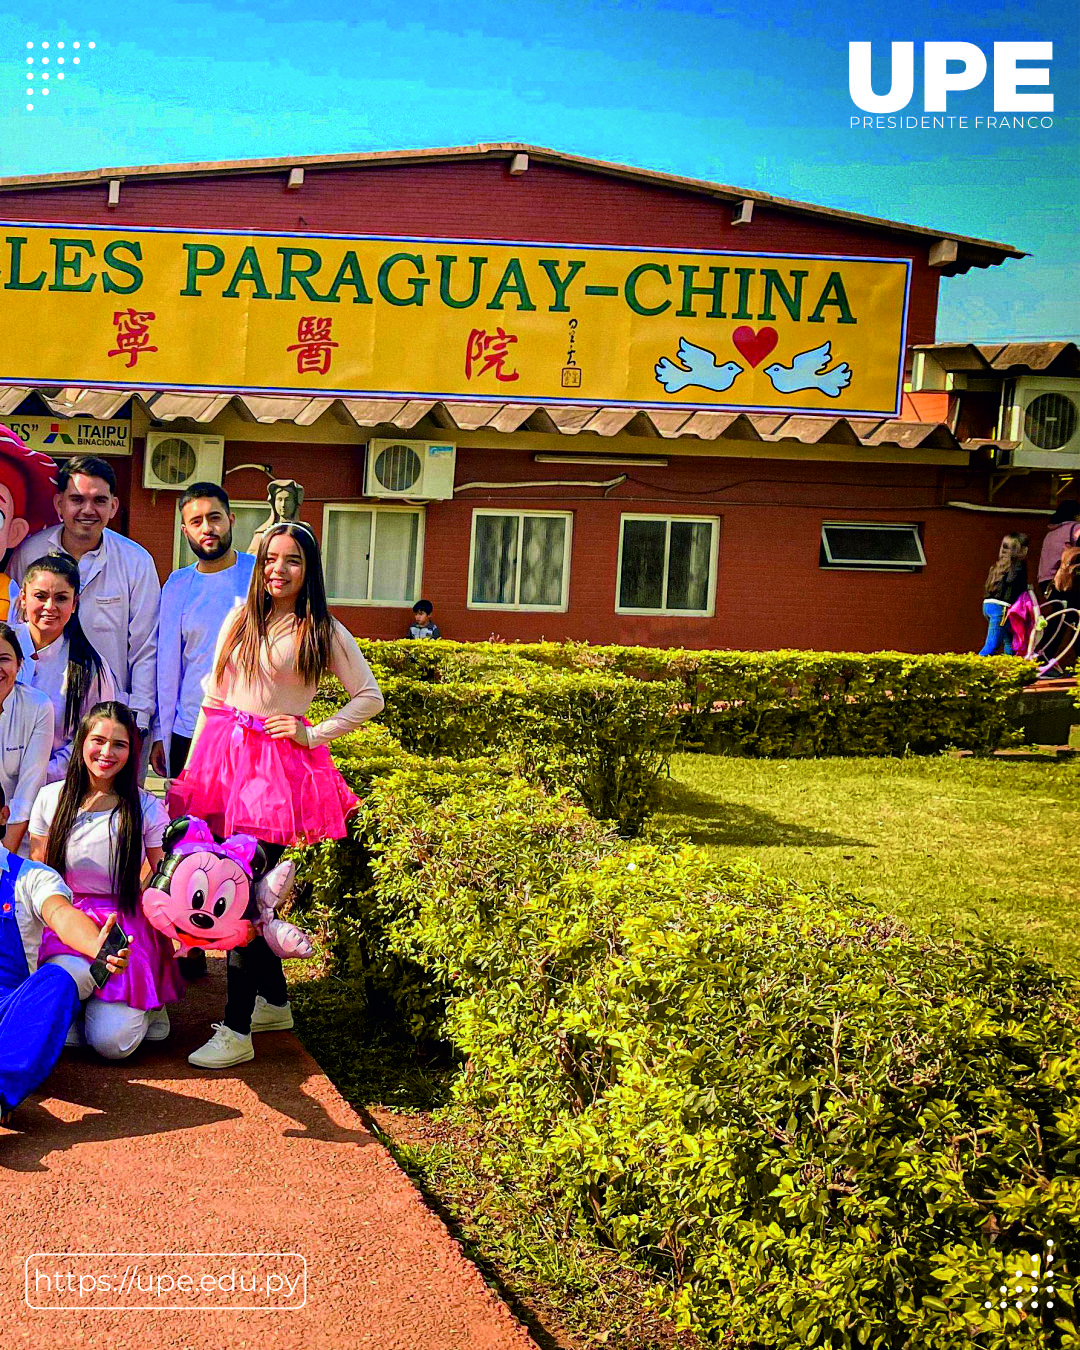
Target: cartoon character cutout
pixel 27 493
pixel 216 894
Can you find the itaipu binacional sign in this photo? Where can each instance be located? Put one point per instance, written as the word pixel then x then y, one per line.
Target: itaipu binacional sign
pixel 60 436
pixel 488 321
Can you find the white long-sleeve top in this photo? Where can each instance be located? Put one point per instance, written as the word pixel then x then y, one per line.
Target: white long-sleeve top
pixel 26 736
pixel 194 606
pixel 118 607
pixel 276 686
pixel 47 669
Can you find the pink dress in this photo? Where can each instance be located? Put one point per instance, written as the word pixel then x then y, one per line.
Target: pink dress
pixel 240 780
pixel 152 977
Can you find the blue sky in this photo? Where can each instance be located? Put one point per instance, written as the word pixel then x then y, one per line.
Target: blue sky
pixel 718 91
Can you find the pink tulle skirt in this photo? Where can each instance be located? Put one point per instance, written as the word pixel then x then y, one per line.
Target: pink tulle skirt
pixel 152 977
pixel 241 781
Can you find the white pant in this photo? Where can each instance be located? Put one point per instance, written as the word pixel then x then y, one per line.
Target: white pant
pixel 78 967
pixel 114 1030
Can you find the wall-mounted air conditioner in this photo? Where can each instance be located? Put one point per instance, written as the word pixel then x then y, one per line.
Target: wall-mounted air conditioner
pixel 410 469
pixel 1042 413
pixel 176 459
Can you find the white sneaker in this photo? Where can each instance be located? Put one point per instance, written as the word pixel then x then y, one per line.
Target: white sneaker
pixel 159 1027
pixel 271 1016
pixel 224 1048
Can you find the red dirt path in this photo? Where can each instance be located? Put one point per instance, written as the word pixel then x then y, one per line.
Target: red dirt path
pixel 152 1155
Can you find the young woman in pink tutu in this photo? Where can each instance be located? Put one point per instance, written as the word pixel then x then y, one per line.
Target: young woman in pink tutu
pixel 99 830
pixel 256 764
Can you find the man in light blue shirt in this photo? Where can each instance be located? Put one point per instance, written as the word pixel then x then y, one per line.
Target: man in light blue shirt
pixel 195 601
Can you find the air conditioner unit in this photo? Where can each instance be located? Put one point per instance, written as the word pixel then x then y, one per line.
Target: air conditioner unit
pixel 176 459
pixel 1042 413
pixel 410 469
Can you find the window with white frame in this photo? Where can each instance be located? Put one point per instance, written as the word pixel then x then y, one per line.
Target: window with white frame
pixel 372 555
pixel 249 516
pixel 519 560
pixel 667 565
pixel 871 547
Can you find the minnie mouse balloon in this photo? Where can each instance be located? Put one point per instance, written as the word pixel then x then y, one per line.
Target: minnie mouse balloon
pixel 202 889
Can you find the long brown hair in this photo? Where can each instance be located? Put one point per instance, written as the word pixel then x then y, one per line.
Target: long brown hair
pixel 84 665
pixel 1017 547
pixel 128 854
pixel 314 630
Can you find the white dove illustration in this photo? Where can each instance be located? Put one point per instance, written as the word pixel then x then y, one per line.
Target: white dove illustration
pixel 807 371
pixel 701 370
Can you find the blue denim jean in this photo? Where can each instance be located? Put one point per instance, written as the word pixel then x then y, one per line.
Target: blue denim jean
pixel 998 633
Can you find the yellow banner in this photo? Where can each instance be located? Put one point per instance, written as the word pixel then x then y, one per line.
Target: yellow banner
pixel 450 319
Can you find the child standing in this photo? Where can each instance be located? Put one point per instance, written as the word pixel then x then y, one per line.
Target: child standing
pixel 423 625
pixel 257 766
pixel 1005 583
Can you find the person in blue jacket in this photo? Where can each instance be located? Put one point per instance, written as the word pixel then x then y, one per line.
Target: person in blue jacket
pixel 38 1004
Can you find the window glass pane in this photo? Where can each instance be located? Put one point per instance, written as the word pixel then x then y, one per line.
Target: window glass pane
pixel 345 554
pixel 495 560
pixel 641 579
pixel 861 544
pixel 688 564
pixel 542 543
pixel 248 520
pixel 396 536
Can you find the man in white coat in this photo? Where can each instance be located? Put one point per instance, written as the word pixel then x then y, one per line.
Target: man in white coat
pixel 118 604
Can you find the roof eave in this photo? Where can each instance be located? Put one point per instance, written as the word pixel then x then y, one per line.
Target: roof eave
pixel 972 253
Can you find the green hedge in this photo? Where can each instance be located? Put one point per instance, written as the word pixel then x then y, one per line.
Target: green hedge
pixel 811 1127
pixel 606 737
pixel 767 703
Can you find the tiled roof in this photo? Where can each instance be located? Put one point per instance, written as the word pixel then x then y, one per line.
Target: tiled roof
pixel 404 416
pixel 1040 358
pixel 971 252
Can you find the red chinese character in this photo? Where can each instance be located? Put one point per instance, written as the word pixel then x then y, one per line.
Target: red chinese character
pixel 313 345
pixel 492 350
pixel 132 334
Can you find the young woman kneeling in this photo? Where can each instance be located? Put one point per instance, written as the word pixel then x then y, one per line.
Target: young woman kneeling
pixel 102 833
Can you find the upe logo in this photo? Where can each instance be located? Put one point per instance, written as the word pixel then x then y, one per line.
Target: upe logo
pixel 969 69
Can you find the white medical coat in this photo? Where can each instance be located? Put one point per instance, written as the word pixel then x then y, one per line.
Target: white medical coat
pixel 118 606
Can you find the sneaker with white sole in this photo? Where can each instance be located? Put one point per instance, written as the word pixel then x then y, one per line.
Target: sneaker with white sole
pixel 224 1048
pixel 271 1016
pixel 159 1026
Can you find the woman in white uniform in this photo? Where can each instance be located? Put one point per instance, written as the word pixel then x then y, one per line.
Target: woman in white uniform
pixel 101 832
pixel 59 658
pixel 26 736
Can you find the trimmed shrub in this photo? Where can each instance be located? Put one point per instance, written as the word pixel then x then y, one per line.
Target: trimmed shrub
pixel 776 704
pixel 606 737
pixel 812 1127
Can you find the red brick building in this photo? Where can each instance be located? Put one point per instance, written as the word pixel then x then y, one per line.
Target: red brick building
pixel 604 522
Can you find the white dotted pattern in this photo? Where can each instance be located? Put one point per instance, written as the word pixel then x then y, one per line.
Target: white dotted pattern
pixel 60 60
pixel 1039 1282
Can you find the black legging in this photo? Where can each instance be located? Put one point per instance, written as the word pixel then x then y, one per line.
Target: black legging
pixel 254 969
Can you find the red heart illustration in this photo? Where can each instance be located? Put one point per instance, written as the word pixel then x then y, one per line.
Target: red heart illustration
pixel 754 346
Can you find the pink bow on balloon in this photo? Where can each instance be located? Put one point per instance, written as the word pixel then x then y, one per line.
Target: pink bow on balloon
pixel 199 839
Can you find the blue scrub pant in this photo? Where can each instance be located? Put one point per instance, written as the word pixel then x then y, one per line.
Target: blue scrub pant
pixel 34 1021
pixel 998 632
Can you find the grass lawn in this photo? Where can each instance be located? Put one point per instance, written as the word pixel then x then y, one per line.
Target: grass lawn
pixel 973 843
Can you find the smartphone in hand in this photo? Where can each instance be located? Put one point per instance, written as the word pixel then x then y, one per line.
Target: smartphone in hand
pixel 115 942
